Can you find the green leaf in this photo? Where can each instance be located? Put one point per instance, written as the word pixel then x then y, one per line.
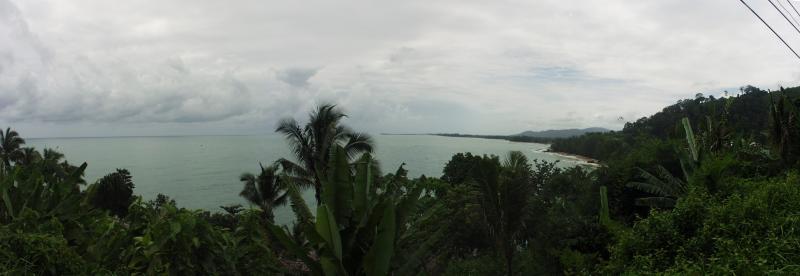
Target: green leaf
pixel 329 231
pixel 175 228
pixel 299 205
pixel 687 127
pixel 329 267
pixel 380 254
pixel 337 191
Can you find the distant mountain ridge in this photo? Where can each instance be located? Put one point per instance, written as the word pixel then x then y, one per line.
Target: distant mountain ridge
pixel 562 133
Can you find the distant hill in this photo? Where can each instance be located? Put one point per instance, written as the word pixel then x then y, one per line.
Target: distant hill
pixel 562 133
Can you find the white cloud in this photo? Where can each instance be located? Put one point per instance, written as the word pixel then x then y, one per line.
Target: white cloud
pixel 396 66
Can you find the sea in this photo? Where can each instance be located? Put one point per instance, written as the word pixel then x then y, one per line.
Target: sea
pixel 202 172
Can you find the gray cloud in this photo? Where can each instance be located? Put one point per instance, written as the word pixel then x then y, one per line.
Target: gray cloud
pixel 396 66
pixel 297 77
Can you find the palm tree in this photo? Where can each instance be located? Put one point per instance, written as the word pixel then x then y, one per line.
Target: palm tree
pixel 266 190
pixel 311 145
pixel 504 201
pixel 54 168
pixel 10 144
pixel 358 224
pixel 29 156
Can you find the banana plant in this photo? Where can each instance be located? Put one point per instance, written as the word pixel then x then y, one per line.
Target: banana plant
pixel 665 187
pixel 357 223
pixel 20 190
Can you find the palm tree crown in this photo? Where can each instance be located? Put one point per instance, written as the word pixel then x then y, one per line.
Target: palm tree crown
pixel 266 190
pixel 311 145
pixel 10 143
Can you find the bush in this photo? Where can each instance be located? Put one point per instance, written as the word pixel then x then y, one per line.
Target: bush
pixel 38 254
pixel 751 231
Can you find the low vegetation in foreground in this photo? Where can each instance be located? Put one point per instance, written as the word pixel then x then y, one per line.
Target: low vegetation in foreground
pixel 707 186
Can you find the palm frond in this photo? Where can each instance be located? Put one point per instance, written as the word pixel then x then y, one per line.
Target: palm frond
pixel 297 138
pixel 295 173
pixel 250 191
pixel 674 185
pixel 693 150
pixel 299 206
pixel 649 188
pixel 358 143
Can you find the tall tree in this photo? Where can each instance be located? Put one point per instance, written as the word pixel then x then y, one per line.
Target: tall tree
pixel 54 167
pixel 784 128
pixel 113 192
pixel 10 143
pixel 311 145
pixel 29 156
pixel 504 200
pixel 265 190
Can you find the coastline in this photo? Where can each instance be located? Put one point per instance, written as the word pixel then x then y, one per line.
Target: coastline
pixel 583 159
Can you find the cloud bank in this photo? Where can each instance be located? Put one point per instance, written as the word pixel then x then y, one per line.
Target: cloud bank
pixel 99 68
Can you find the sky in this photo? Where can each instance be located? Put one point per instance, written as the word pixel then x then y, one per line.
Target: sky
pixel 119 68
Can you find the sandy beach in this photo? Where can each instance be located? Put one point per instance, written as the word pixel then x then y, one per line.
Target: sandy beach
pixel 586 160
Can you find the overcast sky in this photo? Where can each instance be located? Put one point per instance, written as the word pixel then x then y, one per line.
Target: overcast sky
pixel 108 68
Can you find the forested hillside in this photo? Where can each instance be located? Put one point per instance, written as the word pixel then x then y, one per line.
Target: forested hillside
pixel 745 115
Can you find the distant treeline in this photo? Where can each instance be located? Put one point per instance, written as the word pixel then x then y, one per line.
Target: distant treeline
pixel 512 138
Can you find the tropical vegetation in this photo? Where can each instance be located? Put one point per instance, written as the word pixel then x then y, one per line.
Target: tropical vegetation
pixel 706 186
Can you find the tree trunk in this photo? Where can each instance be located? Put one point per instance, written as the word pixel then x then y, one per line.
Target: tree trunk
pixel 268 214
pixel 318 187
pixel 318 193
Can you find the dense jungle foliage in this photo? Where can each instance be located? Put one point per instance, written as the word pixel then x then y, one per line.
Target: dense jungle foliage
pixel 707 186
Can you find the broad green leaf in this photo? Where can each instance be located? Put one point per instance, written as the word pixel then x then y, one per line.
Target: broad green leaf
pixel 329 267
pixel 337 191
pixel 379 255
pixel 329 231
pixel 687 127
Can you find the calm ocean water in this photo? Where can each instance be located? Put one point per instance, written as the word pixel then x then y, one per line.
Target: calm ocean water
pixel 202 172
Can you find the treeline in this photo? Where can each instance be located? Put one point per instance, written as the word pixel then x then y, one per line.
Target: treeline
pixel 512 138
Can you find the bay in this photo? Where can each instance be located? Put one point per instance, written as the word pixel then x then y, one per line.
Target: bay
pixel 202 172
